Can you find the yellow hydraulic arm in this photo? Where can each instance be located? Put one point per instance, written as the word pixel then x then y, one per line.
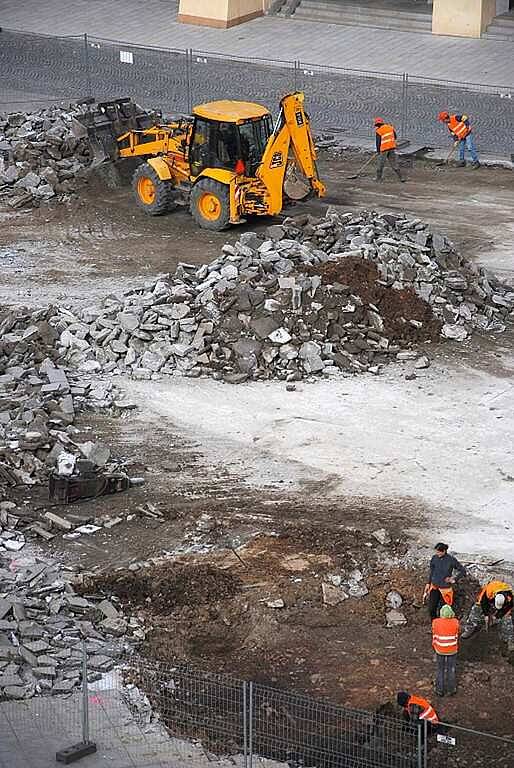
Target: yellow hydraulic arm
pixel 292 132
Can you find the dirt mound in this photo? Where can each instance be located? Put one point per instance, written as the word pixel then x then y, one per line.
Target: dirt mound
pixel 398 308
pixel 167 587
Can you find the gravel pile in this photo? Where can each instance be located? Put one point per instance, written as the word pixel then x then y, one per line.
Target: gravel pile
pixel 40 159
pixel 43 623
pixel 346 292
pixel 39 399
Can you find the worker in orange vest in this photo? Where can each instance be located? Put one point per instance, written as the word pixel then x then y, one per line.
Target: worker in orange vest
pixel 416 709
pixel 444 571
pixel 445 642
pixel 460 129
pixel 494 603
pixel 386 148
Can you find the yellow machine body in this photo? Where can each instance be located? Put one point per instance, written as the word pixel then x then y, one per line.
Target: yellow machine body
pixel 253 156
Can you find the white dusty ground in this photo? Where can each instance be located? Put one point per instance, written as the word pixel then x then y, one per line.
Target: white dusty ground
pixel 445 439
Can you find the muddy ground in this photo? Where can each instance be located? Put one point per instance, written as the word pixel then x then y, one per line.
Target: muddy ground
pixel 296 518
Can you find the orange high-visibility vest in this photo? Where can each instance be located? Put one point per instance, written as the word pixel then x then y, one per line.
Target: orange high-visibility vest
pixel 445 636
pixel 387 140
pixel 492 588
pixel 446 593
pixel 428 712
pixel 458 127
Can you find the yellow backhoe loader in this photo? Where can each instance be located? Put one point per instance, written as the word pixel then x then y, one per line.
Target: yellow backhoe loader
pixel 226 161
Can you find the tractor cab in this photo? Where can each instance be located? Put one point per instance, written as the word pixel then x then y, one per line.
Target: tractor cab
pixel 229 134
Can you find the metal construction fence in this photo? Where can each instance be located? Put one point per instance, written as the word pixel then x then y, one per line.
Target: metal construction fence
pixel 38 70
pixel 152 714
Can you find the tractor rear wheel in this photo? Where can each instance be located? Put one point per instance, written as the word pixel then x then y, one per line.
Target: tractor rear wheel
pixel 210 204
pixel 153 195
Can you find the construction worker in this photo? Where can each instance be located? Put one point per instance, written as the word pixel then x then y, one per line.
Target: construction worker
pixel 416 708
pixel 460 129
pixel 445 642
pixel 386 148
pixel 439 586
pixel 494 603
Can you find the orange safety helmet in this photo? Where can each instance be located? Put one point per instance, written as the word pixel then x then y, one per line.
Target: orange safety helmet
pixel 443 116
pixel 379 121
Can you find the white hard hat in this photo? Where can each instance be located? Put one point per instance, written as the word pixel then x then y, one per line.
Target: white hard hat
pixel 499 601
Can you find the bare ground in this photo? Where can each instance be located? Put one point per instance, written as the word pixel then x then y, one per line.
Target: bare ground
pixel 100 243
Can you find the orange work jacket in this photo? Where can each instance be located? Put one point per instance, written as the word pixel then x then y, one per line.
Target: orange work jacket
pixel 428 712
pixel 458 127
pixel 387 140
pixel 445 636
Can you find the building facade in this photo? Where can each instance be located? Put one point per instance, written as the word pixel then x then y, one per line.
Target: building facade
pixel 462 18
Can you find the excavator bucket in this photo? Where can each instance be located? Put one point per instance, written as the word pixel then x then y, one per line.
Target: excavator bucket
pixel 102 124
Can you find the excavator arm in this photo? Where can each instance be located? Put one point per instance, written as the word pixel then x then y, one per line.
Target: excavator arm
pixel 292 135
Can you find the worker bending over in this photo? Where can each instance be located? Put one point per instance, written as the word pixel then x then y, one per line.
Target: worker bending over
pixel 439 586
pixel 386 148
pixel 416 708
pixel 445 642
pixel 493 604
pixel 460 129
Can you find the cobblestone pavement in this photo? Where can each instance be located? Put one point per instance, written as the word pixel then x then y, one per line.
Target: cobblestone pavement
pixel 32 731
pixel 36 67
pixel 154 23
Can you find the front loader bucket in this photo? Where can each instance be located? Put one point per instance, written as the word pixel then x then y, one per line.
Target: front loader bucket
pixel 104 123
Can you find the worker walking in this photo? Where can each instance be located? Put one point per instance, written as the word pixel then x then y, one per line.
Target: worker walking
pixel 445 642
pixel 460 129
pixel 439 587
pixel 386 148
pixel 494 603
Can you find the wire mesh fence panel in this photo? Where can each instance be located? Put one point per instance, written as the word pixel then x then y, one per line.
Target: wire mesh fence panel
pixel 34 730
pixel 216 77
pixel 40 69
pixel 349 99
pixel 303 731
pixel 455 747
pixel 199 708
pixel 153 77
pixel 491 111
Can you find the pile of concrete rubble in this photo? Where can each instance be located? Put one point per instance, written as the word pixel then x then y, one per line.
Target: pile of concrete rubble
pixel 40 159
pixel 348 291
pixel 39 399
pixel 43 625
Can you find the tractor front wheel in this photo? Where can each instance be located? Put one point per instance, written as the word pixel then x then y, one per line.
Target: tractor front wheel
pixel 210 204
pixel 153 195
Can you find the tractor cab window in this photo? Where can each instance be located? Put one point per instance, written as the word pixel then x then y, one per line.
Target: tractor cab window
pixel 213 145
pixel 254 136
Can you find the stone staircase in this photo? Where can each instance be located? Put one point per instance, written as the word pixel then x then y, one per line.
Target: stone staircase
pixel 502 28
pixel 402 16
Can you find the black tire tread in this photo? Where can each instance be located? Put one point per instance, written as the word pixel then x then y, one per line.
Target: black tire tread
pixel 222 192
pixel 164 198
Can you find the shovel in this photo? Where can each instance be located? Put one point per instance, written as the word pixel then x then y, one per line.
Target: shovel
pixel 450 155
pixel 368 161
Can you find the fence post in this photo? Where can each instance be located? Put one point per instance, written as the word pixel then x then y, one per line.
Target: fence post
pixel 88 68
pixel 250 724
pixel 245 726
pixel 420 745
pixel 85 699
pixel 189 76
pixel 405 98
pixel 425 744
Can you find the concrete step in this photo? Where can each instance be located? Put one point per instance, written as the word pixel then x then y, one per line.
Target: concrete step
pixel 507 37
pixel 351 15
pixel 501 28
pixel 364 10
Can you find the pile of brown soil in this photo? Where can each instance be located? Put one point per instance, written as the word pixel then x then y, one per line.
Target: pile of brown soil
pixel 396 307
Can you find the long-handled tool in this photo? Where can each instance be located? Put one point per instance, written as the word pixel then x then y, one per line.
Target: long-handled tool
pixel 450 155
pixel 368 161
